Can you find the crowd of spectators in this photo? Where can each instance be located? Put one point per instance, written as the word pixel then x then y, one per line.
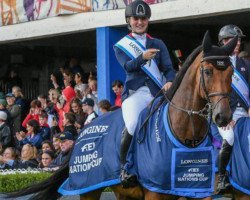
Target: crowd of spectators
pixel 41 134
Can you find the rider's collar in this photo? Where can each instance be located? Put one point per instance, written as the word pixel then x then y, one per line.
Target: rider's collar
pixel 139 36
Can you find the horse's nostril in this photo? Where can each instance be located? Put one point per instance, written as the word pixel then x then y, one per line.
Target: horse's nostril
pixel 221 120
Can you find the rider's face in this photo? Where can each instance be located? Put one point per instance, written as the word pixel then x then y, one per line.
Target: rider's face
pixel 237 48
pixel 138 25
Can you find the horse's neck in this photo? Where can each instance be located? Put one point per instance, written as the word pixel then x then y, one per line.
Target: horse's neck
pixel 187 97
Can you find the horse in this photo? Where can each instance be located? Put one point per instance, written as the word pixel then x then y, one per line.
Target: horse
pixel 200 91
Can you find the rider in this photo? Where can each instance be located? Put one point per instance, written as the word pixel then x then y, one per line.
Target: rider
pixel 239 100
pixel 148 69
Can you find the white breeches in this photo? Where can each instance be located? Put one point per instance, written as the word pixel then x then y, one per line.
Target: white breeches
pixel 228 133
pixel 133 105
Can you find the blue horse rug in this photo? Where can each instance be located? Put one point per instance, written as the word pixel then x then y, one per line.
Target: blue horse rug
pixel 95 161
pixel 164 165
pixel 239 167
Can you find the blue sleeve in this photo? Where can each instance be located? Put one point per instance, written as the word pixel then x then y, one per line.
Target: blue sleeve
pixel 24 141
pixel 165 63
pixel 128 64
pixel 37 141
pixel 10 163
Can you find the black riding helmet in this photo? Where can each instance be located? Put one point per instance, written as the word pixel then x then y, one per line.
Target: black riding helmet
pixel 137 8
pixel 229 31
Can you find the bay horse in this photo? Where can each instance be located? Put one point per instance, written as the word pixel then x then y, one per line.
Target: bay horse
pixel 200 90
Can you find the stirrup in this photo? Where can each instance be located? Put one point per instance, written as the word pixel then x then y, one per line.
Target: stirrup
pixel 128 180
pixel 223 184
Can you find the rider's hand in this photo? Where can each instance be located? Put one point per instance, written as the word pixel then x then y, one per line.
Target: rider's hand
pixel 249 112
pixel 149 54
pixel 167 86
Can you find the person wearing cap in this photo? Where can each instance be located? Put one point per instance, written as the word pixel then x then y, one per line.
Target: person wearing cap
pixel 88 108
pixel 148 68
pixel 5 134
pixel 66 144
pixel 15 114
pixel 239 101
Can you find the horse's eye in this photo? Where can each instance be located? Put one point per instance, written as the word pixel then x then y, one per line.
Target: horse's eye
pixel 208 72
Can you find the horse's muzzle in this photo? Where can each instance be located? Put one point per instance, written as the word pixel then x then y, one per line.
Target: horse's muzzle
pixel 222 119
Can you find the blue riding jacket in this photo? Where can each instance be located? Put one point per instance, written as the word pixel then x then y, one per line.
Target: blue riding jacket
pixel 243 68
pixel 135 77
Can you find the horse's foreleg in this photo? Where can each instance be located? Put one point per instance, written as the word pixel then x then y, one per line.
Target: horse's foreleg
pixel 134 193
pixel 95 195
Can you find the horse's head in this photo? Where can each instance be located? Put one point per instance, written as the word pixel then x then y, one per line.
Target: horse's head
pixel 215 79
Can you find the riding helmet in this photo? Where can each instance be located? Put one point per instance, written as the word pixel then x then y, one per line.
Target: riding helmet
pixel 138 8
pixel 229 31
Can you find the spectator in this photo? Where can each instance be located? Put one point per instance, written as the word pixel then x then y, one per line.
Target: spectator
pixel 20 100
pixel 104 106
pixel 3 105
pixel 51 111
pixel 35 111
pixel 68 94
pixel 57 81
pixel 66 144
pixel 32 137
pixel 88 108
pixel 80 87
pixel 15 114
pixel 44 127
pixel 56 143
pixel 76 108
pixel 69 124
pixel 28 158
pixel 47 146
pixel 93 93
pixel 5 133
pixel 44 102
pixel 68 78
pixel 47 158
pixel 117 87
pixel 9 154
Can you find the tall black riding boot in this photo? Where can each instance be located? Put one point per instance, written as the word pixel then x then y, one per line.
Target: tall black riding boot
pixel 127 180
pixel 224 156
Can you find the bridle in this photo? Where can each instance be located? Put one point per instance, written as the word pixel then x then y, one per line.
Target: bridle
pixel 207 111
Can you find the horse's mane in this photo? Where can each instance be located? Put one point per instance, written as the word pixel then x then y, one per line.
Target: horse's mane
pixel 178 79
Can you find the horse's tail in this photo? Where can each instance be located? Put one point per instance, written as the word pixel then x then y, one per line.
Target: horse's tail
pixel 46 189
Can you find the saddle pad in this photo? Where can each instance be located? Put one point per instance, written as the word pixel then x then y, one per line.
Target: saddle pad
pixel 95 161
pixel 162 164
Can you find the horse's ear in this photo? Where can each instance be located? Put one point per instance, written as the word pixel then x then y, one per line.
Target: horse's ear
pixel 229 47
pixel 206 44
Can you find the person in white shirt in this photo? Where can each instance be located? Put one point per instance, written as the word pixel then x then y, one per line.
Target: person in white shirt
pixel 88 108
